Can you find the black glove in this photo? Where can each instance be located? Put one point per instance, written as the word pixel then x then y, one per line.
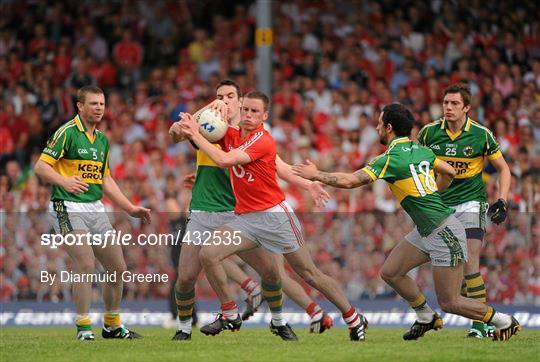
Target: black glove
pixel 497 211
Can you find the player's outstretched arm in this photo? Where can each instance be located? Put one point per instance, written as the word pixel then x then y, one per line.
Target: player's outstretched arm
pixel 73 184
pixel 285 172
pixel 221 158
pixel 113 192
pixel 342 180
pixel 445 174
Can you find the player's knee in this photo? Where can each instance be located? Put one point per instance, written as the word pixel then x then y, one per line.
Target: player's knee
pixel 86 265
pixel 312 276
pixel 185 282
pixel 208 257
pixel 271 277
pixel 269 273
pixel 120 268
pixel 388 275
pixel 449 305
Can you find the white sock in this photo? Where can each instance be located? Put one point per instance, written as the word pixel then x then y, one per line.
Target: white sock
pixel 184 326
pixel 424 314
pixel 317 317
pixel 256 290
pixel 501 320
pixel 277 319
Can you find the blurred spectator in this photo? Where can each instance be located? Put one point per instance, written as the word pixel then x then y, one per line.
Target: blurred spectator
pixel 128 55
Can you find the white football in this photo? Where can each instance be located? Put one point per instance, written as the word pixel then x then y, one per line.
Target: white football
pixel 211 125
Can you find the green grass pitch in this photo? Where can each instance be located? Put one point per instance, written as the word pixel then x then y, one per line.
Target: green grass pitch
pixel 258 344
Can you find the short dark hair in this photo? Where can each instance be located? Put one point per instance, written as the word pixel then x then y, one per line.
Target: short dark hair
pixel 81 93
pixel 261 96
pixel 462 89
pixel 231 83
pixel 399 117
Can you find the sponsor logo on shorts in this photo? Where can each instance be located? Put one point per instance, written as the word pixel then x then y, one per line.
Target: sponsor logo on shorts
pixel 440 260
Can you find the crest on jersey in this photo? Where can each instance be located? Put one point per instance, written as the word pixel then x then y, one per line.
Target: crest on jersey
pixel 468 151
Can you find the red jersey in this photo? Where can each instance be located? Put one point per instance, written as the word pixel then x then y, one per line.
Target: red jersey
pixel 254 184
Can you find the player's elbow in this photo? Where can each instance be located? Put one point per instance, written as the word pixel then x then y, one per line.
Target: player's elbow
pixel 39 168
pixel 350 183
pixel 449 172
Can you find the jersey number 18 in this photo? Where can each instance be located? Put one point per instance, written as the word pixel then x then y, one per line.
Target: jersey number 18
pixel 427 183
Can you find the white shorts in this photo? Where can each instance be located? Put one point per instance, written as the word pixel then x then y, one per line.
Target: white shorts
pixel 276 229
pixel 446 245
pixel 207 221
pixel 66 216
pixel 472 214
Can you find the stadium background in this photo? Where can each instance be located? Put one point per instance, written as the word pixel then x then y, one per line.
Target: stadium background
pixel 335 64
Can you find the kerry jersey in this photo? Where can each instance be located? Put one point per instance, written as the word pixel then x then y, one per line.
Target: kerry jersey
pixel 465 151
pixel 72 151
pixel 407 167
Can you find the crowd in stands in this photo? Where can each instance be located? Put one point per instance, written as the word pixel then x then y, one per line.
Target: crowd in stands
pixel 335 64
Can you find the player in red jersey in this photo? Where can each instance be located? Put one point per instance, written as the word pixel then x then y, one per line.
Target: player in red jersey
pixel 263 217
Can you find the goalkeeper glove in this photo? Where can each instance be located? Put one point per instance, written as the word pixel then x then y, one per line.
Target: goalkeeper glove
pixel 497 211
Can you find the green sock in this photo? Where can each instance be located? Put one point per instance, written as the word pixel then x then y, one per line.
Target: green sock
pixel 479 326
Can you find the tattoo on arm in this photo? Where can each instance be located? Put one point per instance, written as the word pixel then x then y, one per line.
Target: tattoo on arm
pixel 344 180
pixel 362 178
pixel 327 178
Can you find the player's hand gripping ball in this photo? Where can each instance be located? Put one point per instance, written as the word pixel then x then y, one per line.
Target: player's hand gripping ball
pixel 211 125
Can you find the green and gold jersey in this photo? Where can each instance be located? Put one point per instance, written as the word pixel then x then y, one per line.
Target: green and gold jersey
pixel 465 151
pixel 407 167
pixel 212 190
pixel 71 151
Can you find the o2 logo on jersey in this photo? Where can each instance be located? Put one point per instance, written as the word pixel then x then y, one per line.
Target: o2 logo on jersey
pixel 240 172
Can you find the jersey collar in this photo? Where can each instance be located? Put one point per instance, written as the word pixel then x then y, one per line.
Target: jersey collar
pixel 465 127
pixel 82 128
pixel 80 124
pixel 258 129
pixel 396 140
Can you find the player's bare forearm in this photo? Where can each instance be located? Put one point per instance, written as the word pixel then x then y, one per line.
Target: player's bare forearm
pixel 445 174
pixel 443 182
pixel 47 173
pixel 177 138
pixel 176 133
pixel 284 171
pixel 505 176
pixel 344 180
pixel 217 155
pixel 113 192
